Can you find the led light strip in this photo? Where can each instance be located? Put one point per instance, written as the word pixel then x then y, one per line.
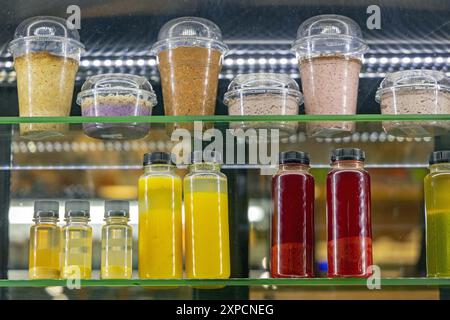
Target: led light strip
pixel 262 61
pixel 118 146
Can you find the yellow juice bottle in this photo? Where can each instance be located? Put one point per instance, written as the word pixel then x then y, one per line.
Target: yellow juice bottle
pixel 44 259
pixel 206 210
pixel 76 255
pixel 437 207
pixel 117 237
pixel 159 238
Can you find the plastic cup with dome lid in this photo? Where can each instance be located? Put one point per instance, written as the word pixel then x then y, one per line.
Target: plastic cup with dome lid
pixel 46 57
pixel 415 92
pixel 112 95
pixel 264 94
pixel 189 51
pixel 330 49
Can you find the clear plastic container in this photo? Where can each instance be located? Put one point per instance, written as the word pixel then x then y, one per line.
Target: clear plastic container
pixel 292 241
pixel 117 241
pixel 206 209
pixel 264 94
pixel 349 215
pixel 160 219
pixel 76 253
pixel 415 92
pixel 45 241
pixel 46 58
pixel 330 49
pixel 116 94
pixel 437 207
pixel 189 53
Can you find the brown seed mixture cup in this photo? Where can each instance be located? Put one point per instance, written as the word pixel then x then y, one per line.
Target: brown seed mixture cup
pixel 415 92
pixel 46 58
pixel 330 49
pixel 189 52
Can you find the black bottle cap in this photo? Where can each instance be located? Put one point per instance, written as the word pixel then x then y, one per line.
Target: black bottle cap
pixel 117 208
pixel 439 157
pixel 198 156
pixel 157 158
pixel 46 209
pixel 294 157
pixel 77 209
pixel 347 154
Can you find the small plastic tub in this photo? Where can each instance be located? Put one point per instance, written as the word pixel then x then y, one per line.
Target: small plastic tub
pixel 415 92
pixel 264 94
pixel 112 95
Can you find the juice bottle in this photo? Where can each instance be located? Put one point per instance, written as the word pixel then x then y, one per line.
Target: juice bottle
pixel 206 210
pixel 45 241
pixel 117 236
pixel 160 237
pixel 437 206
pixel 76 257
pixel 292 251
pixel 348 215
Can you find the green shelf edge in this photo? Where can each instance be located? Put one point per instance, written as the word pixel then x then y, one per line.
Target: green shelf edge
pixel 226 118
pixel 230 282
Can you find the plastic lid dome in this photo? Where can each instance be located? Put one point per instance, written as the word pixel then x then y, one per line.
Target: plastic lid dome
pixel 117 83
pixel 329 34
pixel 413 79
pixel 263 83
pixel 189 32
pixel 45 29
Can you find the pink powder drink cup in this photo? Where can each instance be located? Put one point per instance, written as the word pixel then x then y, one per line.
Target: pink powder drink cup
pixel 330 50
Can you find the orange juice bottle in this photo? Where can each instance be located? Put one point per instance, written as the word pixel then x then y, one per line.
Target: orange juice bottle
pixel 45 241
pixel 206 209
pixel 159 236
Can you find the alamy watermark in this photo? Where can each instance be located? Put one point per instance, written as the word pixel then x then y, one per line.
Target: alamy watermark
pixel 254 147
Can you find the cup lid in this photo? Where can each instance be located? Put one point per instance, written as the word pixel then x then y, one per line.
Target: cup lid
pixel 45 28
pixel 189 32
pixel 263 83
pixel 413 79
pixel 117 83
pixel 329 34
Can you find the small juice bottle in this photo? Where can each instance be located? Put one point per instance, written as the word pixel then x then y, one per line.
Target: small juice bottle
pixel 76 257
pixel 292 251
pixel 437 207
pixel 117 237
pixel 206 209
pixel 160 235
pixel 44 262
pixel 348 215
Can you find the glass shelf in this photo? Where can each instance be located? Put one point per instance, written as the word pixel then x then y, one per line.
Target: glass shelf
pixel 227 118
pixel 396 282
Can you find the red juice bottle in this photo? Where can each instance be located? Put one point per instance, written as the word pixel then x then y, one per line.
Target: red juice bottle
pixel 292 250
pixel 348 215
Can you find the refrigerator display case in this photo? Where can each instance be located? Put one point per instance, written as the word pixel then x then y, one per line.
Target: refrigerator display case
pixel 119 37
